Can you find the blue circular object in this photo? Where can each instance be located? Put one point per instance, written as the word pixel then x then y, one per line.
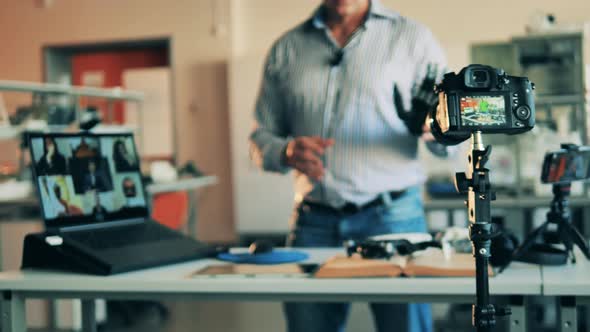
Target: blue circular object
pixel 273 257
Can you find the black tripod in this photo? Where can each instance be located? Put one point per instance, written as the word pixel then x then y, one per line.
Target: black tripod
pixel 476 184
pixel 566 234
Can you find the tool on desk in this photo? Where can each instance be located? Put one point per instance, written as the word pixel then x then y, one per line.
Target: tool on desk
pixel 370 248
pixel 393 255
pixel 456 240
pixel 260 247
pixel 262 252
pixel 95 209
pixel 255 270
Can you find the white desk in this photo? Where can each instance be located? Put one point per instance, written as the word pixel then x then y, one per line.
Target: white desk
pixel 571 285
pixel 173 282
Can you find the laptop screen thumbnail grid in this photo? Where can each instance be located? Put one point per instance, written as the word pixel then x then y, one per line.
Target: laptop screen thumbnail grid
pixel 88 178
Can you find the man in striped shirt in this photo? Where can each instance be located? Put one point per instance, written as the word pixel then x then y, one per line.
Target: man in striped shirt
pixel 331 104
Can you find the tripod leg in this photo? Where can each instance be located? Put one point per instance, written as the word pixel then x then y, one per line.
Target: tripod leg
pixel 528 242
pixel 573 235
pixel 567 238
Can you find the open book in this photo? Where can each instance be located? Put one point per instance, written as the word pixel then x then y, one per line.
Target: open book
pixel 430 263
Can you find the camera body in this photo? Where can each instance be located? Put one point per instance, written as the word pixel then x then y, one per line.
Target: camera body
pixel 486 99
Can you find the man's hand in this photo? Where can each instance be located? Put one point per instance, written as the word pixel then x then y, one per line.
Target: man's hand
pixel 426 131
pixel 423 101
pixel 304 154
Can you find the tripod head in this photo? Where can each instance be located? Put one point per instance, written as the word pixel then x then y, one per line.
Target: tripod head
pixel 476 180
pixel 560 209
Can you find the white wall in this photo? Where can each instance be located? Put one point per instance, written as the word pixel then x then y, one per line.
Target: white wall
pixel 456 23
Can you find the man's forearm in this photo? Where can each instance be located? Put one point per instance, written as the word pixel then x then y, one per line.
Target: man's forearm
pixel 268 151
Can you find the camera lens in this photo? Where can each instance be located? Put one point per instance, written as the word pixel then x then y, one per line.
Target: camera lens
pixel 480 76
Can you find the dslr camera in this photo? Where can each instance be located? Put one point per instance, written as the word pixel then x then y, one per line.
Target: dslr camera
pixel 485 99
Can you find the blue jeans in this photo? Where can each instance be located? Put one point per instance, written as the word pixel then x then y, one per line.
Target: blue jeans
pixel 320 227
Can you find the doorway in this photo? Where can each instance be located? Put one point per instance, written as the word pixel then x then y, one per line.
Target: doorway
pixel 143 65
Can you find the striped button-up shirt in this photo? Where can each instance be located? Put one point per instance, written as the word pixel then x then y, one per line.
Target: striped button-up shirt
pixel 308 91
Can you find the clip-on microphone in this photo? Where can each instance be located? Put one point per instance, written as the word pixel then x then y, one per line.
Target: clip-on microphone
pixel 335 62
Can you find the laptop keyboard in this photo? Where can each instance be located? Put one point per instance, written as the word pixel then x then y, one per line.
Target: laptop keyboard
pixel 117 237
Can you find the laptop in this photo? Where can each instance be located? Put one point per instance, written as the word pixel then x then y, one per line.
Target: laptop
pixel 95 206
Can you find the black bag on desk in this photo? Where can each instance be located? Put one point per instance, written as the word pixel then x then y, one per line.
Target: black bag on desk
pixel 47 251
pixel 93 253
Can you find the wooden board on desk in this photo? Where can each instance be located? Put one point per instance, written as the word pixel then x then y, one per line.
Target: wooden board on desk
pixel 430 263
pixel 434 264
pixel 251 270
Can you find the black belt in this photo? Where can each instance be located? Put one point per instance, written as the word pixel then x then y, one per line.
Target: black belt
pixel 351 208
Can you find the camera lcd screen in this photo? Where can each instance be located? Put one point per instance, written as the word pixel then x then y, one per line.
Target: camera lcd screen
pixel 483 111
pixel 566 166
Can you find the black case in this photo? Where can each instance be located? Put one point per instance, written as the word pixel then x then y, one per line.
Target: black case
pixel 74 256
pixel 69 256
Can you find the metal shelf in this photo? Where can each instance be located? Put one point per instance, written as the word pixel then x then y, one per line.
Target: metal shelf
pixel 110 94
pixel 503 202
pixel 548 100
pixel 182 184
pixel 62 89
pixel 8 132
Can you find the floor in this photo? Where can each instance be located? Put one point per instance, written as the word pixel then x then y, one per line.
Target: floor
pixel 242 317
pixel 268 317
pixel 228 316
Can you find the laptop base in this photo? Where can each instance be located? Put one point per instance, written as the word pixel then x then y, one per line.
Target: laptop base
pixel 57 251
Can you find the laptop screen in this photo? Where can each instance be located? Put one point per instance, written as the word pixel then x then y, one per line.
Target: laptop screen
pixel 87 178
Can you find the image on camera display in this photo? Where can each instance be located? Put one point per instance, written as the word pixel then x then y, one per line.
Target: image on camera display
pixel 483 111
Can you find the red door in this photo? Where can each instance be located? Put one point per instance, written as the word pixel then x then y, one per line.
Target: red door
pixel 105 69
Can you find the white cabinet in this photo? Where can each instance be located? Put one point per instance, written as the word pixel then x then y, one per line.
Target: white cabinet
pixel 156 111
